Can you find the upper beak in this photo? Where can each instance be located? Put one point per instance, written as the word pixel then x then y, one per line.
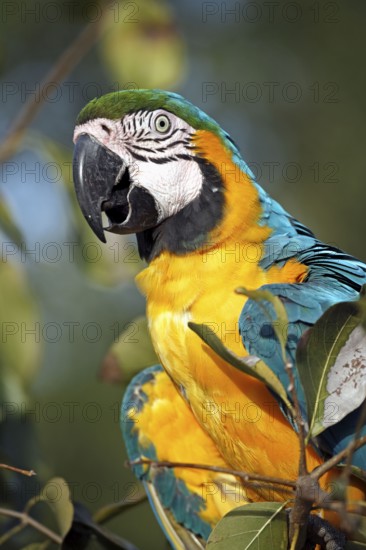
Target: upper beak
pixel 95 171
pixel 102 183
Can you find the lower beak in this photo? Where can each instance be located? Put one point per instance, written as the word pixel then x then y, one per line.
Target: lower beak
pixel 102 183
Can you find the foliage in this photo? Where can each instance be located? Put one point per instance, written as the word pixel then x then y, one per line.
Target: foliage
pixel 75 525
pixel 330 361
pixel 143 29
pixel 255 525
pixel 331 358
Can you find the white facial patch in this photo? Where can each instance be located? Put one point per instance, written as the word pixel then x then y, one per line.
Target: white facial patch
pixel 153 156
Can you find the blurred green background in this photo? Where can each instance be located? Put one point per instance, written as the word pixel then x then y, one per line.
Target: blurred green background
pixel 285 79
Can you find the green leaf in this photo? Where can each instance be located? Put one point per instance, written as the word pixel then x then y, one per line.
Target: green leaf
pixel 141 45
pixel 57 495
pixel 251 365
pixel 255 526
pixel 109 511
pixel 280 325
pixel 7 224
pixel 331 361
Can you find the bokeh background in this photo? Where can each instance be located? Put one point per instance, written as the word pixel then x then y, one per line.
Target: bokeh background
pixel 285 79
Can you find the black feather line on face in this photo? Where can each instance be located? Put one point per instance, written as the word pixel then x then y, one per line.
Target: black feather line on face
pixel 149 149
pixel 159 140
pixel 189 229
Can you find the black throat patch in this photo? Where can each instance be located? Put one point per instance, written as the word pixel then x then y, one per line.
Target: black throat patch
pixel 187 230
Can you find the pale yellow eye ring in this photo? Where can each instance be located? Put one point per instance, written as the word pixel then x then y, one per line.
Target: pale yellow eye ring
pixel 162 124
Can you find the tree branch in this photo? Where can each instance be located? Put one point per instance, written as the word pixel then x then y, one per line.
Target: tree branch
pixel 28 520
pixel 245 476
pixel 28 473
pixel 346 472
pixel 109 511
pixel 68 60
pixel 301 509
pixel 11 533
pixel 303 470
pixel 318 472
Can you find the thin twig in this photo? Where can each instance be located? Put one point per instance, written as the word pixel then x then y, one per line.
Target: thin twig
pixel 344 478
pixel 245 476
pixel 346 472
pixel 68 60
pixel 319 471
pixel 300 512
pixel 11 533
pixel 28 520
pixel 28 473
pixel 334 505
pixel 337 505
pixel 303 470
pixel 32 502
pixel 109 511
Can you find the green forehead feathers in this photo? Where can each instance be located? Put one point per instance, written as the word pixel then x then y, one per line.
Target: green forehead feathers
pixel 117 104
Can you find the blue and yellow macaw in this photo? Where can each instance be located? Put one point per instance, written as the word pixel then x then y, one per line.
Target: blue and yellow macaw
pixel 161 168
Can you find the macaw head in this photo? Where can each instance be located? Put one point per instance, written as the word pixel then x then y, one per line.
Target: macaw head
pixel 149 159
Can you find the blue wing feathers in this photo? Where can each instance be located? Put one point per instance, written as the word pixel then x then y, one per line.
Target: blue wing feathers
pixel 333 277
pixel 172 493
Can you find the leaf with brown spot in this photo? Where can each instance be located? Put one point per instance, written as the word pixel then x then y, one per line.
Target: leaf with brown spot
pixel 331 361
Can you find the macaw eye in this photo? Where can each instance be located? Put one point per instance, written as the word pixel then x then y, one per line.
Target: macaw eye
pixel 162 124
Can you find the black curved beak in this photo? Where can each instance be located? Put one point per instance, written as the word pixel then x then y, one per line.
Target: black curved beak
pixel 102 183
pixel 95 171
